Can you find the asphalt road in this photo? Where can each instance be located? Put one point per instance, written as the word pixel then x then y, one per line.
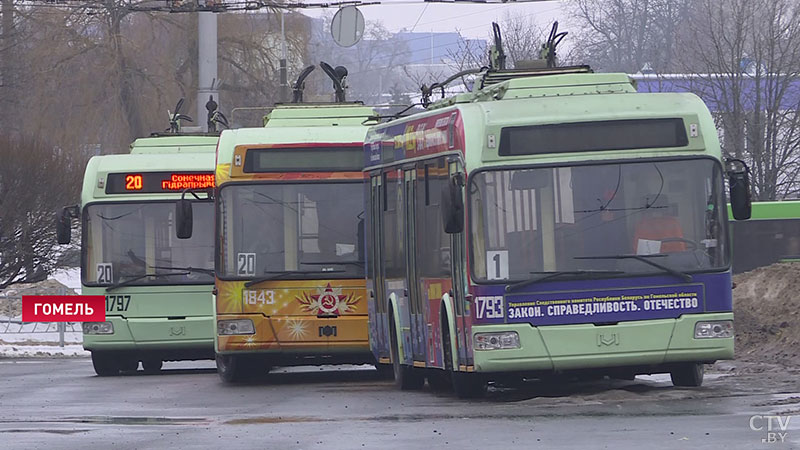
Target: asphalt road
pixel 60 403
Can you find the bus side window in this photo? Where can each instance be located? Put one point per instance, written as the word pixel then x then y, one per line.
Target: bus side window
pixel 432 242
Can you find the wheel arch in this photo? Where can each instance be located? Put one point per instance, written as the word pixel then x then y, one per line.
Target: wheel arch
pixel 448 318
pixel 395 318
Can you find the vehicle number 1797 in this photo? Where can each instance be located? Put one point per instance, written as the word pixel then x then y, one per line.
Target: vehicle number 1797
pixel 117 302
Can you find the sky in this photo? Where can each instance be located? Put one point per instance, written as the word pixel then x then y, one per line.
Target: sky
pixel 472 20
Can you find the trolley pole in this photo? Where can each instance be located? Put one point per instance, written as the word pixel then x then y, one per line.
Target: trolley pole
pixel 207 65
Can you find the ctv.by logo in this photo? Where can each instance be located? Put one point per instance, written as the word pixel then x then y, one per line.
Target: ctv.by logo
pixel 773 424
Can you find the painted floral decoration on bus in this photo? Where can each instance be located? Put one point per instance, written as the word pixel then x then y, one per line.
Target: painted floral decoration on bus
pixel 328 301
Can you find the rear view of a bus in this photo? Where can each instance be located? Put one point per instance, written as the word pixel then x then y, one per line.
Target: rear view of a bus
pixel 157 287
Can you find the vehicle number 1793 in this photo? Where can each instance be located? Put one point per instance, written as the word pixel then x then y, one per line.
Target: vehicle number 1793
pixel 489 307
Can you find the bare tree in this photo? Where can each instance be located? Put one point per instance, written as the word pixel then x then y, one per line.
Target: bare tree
pixel 250 53
pixel 746 59
pixel 626 35
pixel 32 189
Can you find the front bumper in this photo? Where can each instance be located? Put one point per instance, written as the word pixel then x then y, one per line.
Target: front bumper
pixel 651 343
pixel 155 334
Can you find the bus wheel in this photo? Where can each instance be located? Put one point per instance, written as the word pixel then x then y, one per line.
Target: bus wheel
pixel 465 385
pixel 238 368
pixel 127 364
pixel 405 377
pixel 468 385
pixel 152 365
pixel 104 364
pixel 230 368
pixel 385 371
pixel 688 375
pixel 439 380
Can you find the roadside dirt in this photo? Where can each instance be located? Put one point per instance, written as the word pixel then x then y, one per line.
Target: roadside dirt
pixel 766 302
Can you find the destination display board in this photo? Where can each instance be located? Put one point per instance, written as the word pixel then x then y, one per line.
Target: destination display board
pixel 593 136
pixel 157 182
pixel 304 159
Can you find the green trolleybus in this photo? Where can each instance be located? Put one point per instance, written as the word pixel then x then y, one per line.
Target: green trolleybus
pixel 157 287
pixel 551 221
pixel 771 235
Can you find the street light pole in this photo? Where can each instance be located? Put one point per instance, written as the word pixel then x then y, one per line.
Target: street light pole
pixel 206 65
pixel 283 75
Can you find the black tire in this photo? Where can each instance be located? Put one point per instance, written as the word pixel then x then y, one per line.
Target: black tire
pixel 128 365
pixel 105 365
pixel 465 385
pixel 688 375
pixel 239 368
pixel 439 380
pixel 152 365
pixel 469 385
pixel 385 371
pixel 405 377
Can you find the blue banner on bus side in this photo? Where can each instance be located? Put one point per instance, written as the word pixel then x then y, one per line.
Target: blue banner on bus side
pixel 556 308
pixel 605 301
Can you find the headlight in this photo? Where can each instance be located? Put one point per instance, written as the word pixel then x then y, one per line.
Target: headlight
pixel 496 341
pixel 715 329
pixel 98 328
pixel 238 326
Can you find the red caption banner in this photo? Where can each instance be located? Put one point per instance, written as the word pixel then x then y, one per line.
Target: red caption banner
pixel 63 308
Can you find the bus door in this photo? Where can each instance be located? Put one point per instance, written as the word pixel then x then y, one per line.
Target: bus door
pixel 412 291
pixel 379 326
pixel 463 319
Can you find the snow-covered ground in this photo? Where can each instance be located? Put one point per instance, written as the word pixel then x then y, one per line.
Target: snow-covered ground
pixel 19 339
pixel 25 350
pixel 70 278
pixel 38 339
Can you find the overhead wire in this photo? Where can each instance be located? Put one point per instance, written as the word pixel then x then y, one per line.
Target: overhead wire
pixel 420 17
pixel 437 46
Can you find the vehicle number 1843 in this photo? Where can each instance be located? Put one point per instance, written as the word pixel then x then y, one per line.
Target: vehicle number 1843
pixel 259 297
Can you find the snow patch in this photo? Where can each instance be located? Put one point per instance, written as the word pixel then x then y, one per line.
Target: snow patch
pixel 21 351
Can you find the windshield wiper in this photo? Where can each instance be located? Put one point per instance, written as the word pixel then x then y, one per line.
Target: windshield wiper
pixel 644 258
pixel 282 273
pixel 190 269
pixel 555 274
pixel 135 279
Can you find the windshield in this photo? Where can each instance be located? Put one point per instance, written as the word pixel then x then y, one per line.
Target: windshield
pixel 123 241
pixel 294 231
pixel 530 221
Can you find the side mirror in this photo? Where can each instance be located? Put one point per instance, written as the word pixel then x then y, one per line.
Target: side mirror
pixel 739 184
pixel 64 226
pixel 452 205
pixel 183 219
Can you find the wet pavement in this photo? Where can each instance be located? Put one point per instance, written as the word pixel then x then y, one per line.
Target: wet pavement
pixel 60 403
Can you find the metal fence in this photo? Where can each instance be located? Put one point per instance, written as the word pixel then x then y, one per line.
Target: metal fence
pixel 13 330
pixel 44 331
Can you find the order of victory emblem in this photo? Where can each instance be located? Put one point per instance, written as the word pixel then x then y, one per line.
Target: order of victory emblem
pixel 328 301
